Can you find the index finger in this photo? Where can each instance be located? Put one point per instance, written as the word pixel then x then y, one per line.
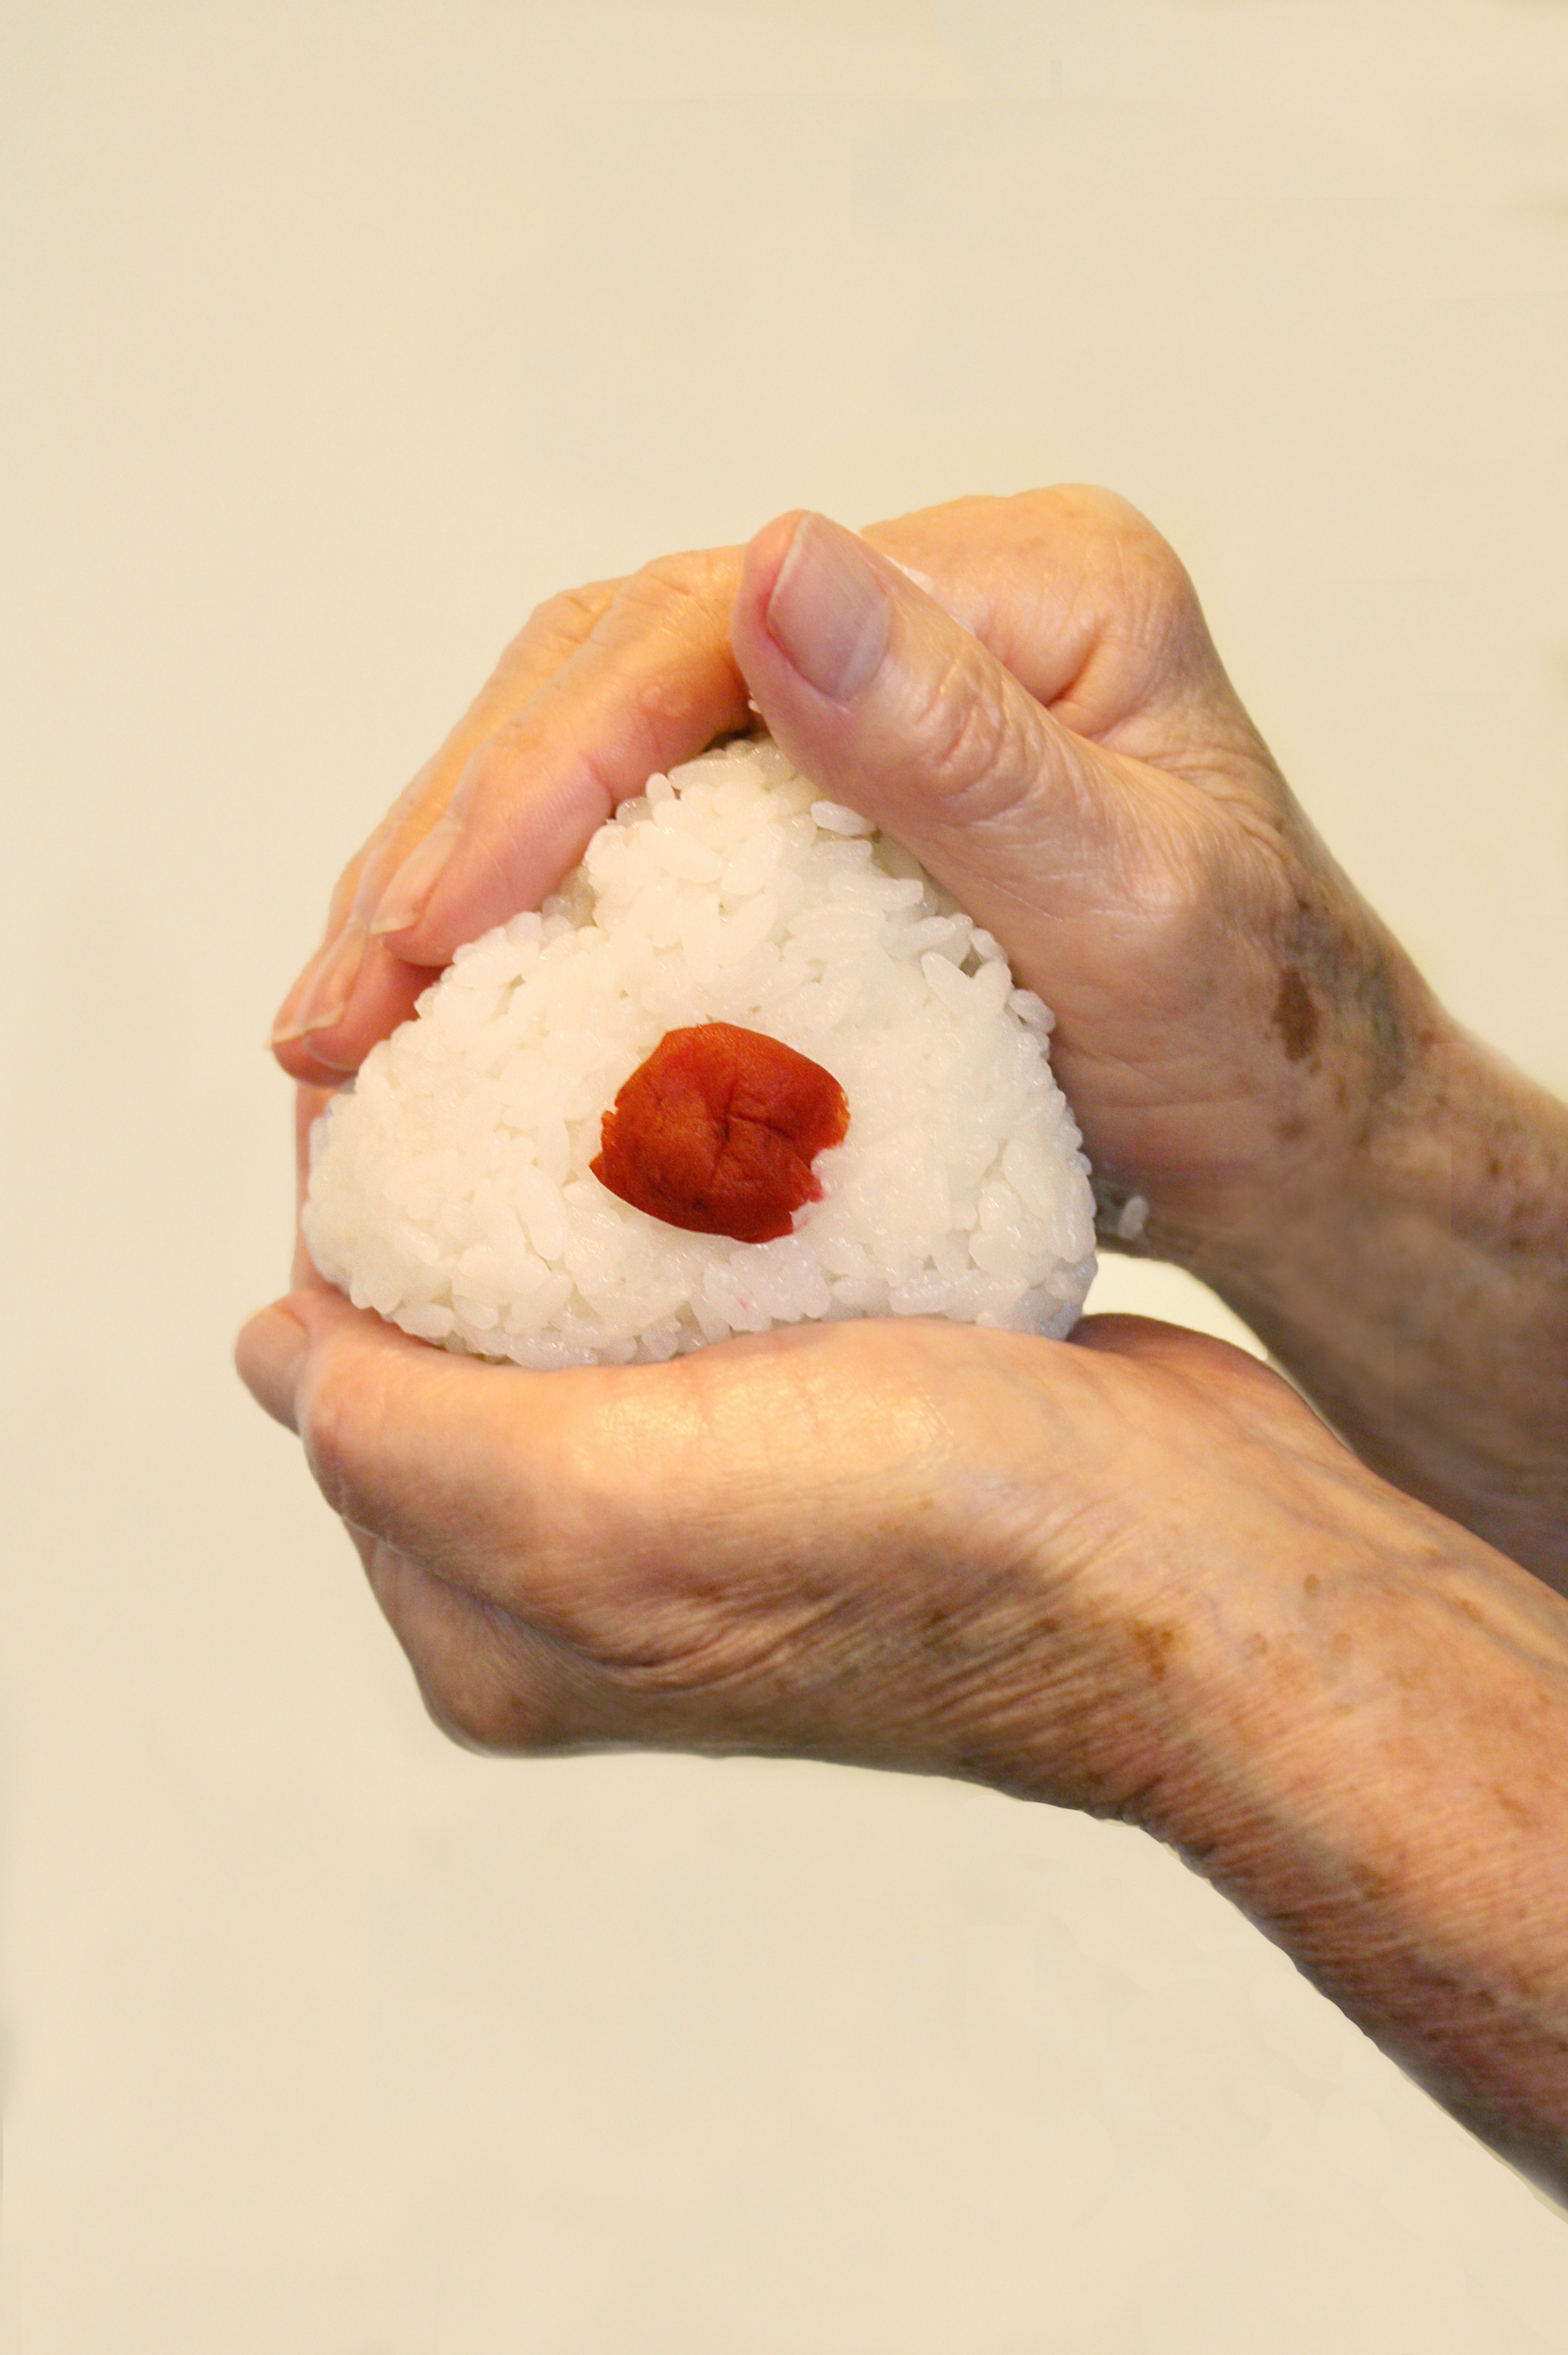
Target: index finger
pixel 651 683
pixel 320 992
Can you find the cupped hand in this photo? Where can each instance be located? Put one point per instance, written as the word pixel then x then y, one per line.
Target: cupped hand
pixel 1131 1573
pixel 1045 723
pixel 913 1544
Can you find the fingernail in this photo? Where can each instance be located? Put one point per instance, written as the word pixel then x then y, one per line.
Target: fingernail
pixel 404 901
pixel 374 876
pixel 282 1021
pixel 828 611
pixel 320 997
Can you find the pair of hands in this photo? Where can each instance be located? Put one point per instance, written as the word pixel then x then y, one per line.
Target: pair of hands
pixel 916 1544
pixel 1131 1573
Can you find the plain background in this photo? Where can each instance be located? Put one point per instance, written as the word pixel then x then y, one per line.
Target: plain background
pixel 341 333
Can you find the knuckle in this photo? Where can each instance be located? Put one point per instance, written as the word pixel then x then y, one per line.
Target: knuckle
pixel 1153 583
pixel 1119 536
pixel 698 583
pixel 1161 589
pixel 566 618
pixel 484 1678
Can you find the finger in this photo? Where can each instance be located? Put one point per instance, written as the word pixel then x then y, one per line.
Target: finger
pixel 268 1355
pixel 487 1678
pixel 382 992
pixel 889 704
pixel 1069 587
pixel 471 1468
pixel 317 999
pixel 1079 597
pixel 582 1499
pixel 515 1493
pixel 653 685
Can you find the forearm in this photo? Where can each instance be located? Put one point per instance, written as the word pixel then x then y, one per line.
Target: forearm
pixel 1364 1742
pixel 1422 1304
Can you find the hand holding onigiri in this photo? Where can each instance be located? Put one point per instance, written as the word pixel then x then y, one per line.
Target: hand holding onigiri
pixel 690 1096
pixel 748 1067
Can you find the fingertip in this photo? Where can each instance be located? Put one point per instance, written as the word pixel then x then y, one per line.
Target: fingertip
pixel 763 558
pixel 386 990
pixel 303 1060
pixel 403 904
pixel 270 1354
pixel 817 612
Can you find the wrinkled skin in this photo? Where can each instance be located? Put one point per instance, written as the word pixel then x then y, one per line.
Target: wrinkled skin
pixel 1051 730
pixel 1131 1573
pixel 880 1541
pixel 1072 762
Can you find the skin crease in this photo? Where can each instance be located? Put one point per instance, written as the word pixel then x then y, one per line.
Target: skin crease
pixel 1136 1572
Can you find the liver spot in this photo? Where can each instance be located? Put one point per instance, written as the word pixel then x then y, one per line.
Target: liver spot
pixel 1295 1016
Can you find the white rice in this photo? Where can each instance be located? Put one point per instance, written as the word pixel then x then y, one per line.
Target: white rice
pixel 450 1187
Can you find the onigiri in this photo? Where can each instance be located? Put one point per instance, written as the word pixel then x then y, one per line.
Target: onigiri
pixel 453 1185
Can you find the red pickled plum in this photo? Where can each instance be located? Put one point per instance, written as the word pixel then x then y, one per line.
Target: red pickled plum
pixel 716 1132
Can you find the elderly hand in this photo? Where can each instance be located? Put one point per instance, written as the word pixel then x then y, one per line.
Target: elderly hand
pixel 1243 1044
pixel 1132 1573
pixel 1067 757
pixel 912 1543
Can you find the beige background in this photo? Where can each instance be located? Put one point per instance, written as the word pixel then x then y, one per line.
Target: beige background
pixel 347 333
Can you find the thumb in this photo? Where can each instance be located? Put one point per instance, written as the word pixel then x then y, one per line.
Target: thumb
pixel 891 705
pixel 508 1484
pixel 413 1445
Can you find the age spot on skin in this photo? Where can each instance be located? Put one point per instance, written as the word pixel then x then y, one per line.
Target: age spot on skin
pixel 1295 1016
pixel 1155 1644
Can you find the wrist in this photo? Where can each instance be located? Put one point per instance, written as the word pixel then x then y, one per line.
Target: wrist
pixel 1304 1035
pixel 1418 1290
pixel 1346 1127
pixel 1371 1760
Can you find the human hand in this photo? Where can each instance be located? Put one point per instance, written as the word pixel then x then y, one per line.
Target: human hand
pixel 1067 756
pixel 913 1543
pixel 1241 1041
pixel 1131 1573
